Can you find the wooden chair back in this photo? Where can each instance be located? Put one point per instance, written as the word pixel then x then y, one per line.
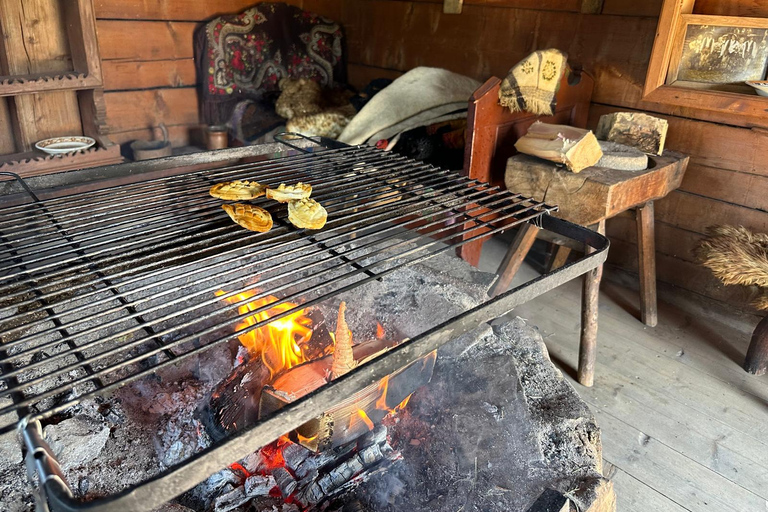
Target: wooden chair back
pixel 492 130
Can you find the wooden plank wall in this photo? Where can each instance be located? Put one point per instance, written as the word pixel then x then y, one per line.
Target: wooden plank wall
pixel 149 74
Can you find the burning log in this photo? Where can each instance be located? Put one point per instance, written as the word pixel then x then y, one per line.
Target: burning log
pixel 358 413
pixel 234 403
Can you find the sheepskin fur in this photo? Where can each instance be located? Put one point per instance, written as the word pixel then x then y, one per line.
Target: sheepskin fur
pixel 735 255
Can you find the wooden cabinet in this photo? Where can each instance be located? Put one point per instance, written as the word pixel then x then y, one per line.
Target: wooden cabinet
pixel 50 85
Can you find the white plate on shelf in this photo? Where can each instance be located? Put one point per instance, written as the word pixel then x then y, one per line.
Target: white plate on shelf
pixel 761 86
pixel 61 145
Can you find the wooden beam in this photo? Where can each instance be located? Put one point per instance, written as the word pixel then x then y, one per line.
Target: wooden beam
pixel 159 40
pixel 124 75
pixel 134 110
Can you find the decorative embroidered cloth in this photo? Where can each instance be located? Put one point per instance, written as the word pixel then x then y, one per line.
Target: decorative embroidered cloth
pixel 532 83
pixel 244 56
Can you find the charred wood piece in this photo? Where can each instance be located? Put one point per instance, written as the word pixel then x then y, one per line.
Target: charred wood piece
pixel 294 455
pixel 258 485
pixel 377 436
pixel 231 500
pixel 371 455
pixel 285 481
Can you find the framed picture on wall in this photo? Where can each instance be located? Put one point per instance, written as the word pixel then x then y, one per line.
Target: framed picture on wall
pixel 721 54
pixel 701 63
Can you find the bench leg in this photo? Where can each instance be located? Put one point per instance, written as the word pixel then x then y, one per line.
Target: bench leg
pixel 756 361
pixel 559 257
pixel 514 258
pixel 646 248
pixel 589 303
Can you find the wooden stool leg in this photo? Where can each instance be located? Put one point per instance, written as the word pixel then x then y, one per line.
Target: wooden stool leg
pixel 756 361
pixel 559 258
pixel 514 258
pixel 470 252
pixel 589 303
pixel 646 248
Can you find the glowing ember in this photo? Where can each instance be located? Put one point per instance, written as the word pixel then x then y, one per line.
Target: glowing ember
pixel 237 467
pixel 272 454
pixel 280 344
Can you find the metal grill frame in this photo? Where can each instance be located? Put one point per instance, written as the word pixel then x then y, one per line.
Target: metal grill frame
pixel 185 475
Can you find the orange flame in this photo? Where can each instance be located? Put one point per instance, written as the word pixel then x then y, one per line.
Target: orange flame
pixel 303 439
pixel 381 402
pixel 380 331
pixel 402 404
pixel 365 418
pixel 279 343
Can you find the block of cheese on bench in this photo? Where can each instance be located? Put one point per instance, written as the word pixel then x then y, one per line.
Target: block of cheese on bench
pixel 641 131
pixel 574 147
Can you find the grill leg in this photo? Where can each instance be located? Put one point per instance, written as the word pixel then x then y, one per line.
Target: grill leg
pixel 514 258
pixel 589 296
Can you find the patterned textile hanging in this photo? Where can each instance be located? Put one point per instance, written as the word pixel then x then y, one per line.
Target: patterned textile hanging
pixel 244 56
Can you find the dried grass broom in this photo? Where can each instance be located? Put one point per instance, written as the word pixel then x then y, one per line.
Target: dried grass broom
pixel 735 255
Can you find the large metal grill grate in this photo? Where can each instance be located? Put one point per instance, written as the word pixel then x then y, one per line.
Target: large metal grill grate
pixel 100 288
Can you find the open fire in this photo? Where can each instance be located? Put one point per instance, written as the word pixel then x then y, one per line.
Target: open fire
pixel 286 359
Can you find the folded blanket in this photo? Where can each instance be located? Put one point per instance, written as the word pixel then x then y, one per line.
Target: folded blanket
pixel 532 83
pixel 417 91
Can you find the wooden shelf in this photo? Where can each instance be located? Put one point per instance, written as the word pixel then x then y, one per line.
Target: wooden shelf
pixel 35 163
pixel 720 106
pixel 32 84
pixel 68 99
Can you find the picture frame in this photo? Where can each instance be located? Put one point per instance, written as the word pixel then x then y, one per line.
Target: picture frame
pixel 682 80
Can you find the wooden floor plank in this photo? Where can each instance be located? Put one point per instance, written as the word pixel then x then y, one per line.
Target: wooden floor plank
pixel 632 495
pixel 680 385
pixel 696 435
pixel 678 388
pixel 743 409
pixel 675 476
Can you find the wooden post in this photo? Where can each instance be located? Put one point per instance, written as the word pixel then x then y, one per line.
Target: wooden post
pixel 514 258
pixel 756 361
pixel 589 302
pixel 646 253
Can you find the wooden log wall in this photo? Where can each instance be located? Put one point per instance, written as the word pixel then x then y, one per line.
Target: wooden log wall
pixel 149 74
